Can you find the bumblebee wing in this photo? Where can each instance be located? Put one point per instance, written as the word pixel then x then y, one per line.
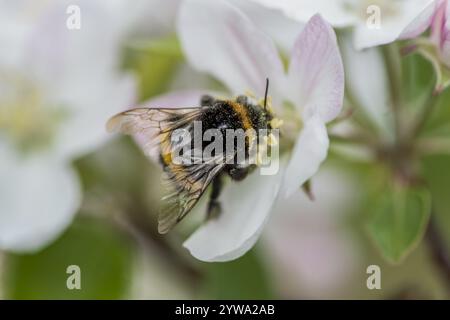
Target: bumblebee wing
pixel 187 184
pixel 141 120
pixel 151 123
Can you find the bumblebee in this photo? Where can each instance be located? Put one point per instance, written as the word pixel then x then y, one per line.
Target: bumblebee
pixel 187 182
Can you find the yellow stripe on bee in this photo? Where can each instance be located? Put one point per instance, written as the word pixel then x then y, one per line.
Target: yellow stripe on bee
pixel 243 115
pixel 166 151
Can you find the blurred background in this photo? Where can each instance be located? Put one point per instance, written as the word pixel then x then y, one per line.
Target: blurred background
pixel 71 194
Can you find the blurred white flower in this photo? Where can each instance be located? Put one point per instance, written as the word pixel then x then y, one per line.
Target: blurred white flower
pixel 56 85
pixel 374 22
pixel 217 38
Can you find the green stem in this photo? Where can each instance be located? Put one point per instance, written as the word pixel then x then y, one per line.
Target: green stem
pixel 357 139
pixel 434 145
pixel 424 116
pixel 138 224
pixel 359 116
pixel 393 61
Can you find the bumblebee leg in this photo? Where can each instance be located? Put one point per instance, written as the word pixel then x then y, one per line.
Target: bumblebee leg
pixel 238 174
pixel 207 101
pixel 214 207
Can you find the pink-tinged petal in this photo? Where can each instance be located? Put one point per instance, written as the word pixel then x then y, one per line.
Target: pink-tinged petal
pixel 316 74
pixel 407 21
pixel 245 209
pixel 219 39
pixel 175 100
pixel 438 24
pixel 440 31
pixel 309 152
pixel 422 22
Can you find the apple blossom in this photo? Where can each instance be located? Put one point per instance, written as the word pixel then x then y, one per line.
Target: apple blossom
pixel 237 53
pixel 53 97
pixel 374 22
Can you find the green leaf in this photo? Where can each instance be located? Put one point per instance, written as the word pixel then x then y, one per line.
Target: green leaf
pixel 399 217
pixel 102 255
pixel 439 122
pixel 154 62
pixel 437 174
pixel 418 80
pixel 244 278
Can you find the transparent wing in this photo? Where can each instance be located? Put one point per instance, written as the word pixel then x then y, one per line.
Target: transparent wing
pixel 151 124
pixel 187 184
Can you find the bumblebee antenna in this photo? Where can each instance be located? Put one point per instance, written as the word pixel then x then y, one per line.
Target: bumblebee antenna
pixel 265 94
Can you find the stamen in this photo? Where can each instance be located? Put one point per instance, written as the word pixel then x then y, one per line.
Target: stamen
pixel 271 140
pixel 276 123
pixel 24 117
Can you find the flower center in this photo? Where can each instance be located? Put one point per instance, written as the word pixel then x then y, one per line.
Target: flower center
pixel 26 120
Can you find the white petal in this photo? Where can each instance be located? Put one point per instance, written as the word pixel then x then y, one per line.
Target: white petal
pixel 282 29
pixel 59 54
pixel 407 20
pixel 15 30
pixel 38 199
pixel 367 82
pixel 309 152
pixel 245 208
pixel 150 22
pixel 88 106
pixel 63 63
pixel 219 39
pixel 334 11
pixel 316 74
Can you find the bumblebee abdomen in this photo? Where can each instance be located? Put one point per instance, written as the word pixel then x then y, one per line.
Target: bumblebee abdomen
pixel 226 114
pixel 223 115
